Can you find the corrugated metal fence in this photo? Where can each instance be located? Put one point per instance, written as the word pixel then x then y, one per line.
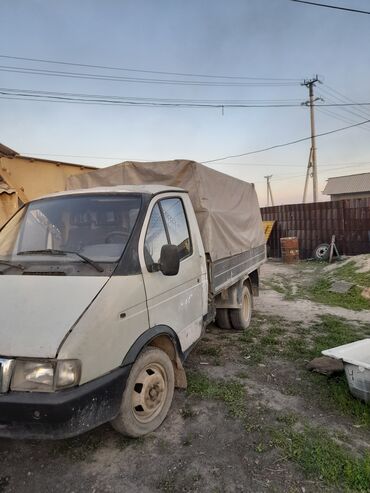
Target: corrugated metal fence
pixel 348 220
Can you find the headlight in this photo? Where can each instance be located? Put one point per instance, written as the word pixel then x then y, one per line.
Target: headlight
pixel 68 373
pixel 45 376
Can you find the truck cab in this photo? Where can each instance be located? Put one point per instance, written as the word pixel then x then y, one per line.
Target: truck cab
pixel 103 292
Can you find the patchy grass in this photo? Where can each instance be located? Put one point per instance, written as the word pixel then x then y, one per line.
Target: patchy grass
pixel 263 338
pixel 352 300
pixel 241 374
pixel 323 458
pixel 283 286
pixel 349 273
pixel 316 287
pixel 334 331
pixel 319 455
pixel 333 393
pixel 253 427
pixel 279 287
pixel 288 419
pixel 323 454
pixel 187 412
pixel 232 392
pixel 329 331
pixel 261 448
pixel 167 485
pixel 212 351
pixel 275 337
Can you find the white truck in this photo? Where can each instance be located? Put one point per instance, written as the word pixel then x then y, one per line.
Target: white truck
pixel 106 288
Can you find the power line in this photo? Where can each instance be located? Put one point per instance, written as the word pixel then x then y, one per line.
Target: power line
pixel 343 96
pixel 350 113
pixel 64 97
pixel 347 165
pixel 140 80
pixel 333 93
pixel 276 146
pixel 89 97
pixel 294 177
pixel 360 113
pixel 332 6
pixel 221 106
pixel 339 117
pixel 158 72
pixel 121 159
pixel 332 98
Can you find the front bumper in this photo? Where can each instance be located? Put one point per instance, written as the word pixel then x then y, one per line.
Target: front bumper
pixel 64 413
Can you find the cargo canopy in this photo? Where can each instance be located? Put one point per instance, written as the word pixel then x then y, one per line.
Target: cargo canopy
pixel 226 208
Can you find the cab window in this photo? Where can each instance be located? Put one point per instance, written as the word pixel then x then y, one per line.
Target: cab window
pixel 155 237
pixel 167 225
pixel 177 226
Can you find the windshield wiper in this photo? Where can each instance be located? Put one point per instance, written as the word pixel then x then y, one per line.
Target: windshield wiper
pixel 51 251
pixel 17 266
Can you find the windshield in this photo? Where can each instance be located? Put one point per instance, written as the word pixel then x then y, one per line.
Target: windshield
pixel 96 226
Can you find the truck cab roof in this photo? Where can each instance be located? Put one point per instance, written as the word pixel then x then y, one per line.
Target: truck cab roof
pixel 147 189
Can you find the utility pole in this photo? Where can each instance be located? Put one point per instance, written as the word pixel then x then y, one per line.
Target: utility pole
pixel 308 174
pixel 312 164
pixel 269 191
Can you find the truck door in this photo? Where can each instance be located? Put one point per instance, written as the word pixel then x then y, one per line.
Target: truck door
pixel 175 301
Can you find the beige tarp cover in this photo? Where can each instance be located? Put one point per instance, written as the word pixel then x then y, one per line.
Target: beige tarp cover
pixel 226 208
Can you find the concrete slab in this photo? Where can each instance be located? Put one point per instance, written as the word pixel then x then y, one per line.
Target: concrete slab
pixel 341 287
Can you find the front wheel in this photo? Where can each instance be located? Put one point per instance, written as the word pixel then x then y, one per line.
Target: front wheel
pixel 148 394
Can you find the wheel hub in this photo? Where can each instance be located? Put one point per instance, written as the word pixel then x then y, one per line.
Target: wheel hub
pixel 154 395
pixel 150 393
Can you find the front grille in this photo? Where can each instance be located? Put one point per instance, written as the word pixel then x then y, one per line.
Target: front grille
pixel 6 370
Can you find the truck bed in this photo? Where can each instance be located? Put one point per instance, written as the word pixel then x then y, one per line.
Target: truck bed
pixel 225 272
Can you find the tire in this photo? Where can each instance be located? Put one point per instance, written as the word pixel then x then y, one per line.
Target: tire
pixel 322 252
pixel 148 394
pixel 241 317
pixel 223 318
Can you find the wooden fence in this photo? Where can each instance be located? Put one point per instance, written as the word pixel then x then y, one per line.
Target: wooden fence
pixel 348 220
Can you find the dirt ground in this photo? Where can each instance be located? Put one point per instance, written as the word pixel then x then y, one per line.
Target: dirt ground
pixel 253 419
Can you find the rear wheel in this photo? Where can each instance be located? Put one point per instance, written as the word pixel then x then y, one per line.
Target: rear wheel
pixel 241 317
pixel 148 394
pixel 223 318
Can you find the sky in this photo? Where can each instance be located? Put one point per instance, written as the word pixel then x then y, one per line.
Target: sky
pixel 270 39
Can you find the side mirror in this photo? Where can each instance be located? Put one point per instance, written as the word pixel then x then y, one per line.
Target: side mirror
pixel 169 262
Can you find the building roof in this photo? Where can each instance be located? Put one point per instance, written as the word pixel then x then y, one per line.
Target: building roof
pixel 51 161
pixel 348 184
pixel 6 151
